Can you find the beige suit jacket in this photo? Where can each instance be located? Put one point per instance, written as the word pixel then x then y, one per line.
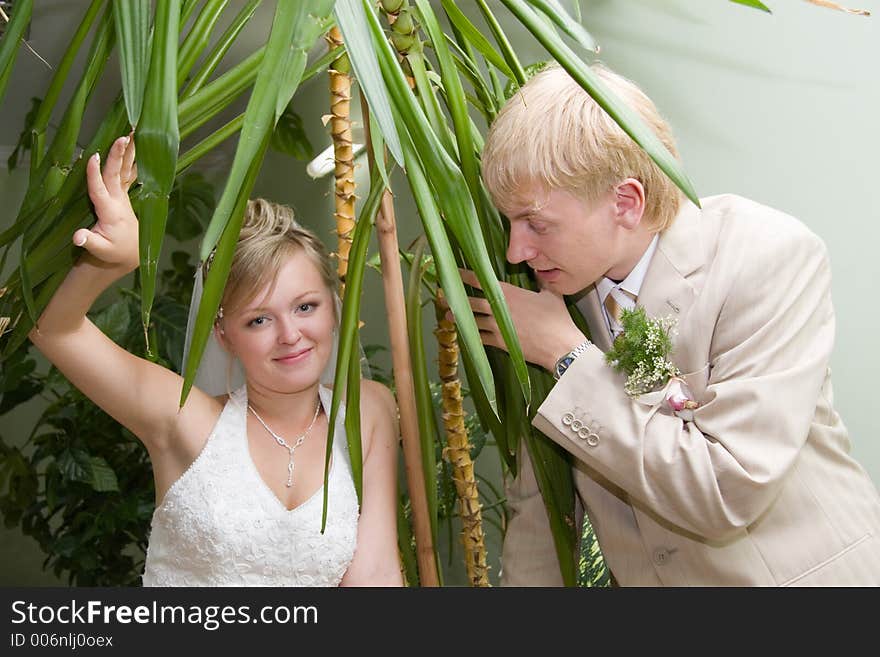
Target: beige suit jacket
pixel 759 489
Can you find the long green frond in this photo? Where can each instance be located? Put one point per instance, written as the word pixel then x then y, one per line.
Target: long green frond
pixel 11 41
pixel 348 332
pixel 158 140
pixel 428 437
pixel 352 22
pixel 554 10
pixel 198 37
pixel 224 43
pixel 476 38
pixel 132 20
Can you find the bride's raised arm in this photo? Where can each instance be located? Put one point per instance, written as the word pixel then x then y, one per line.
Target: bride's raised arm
pixel 141 395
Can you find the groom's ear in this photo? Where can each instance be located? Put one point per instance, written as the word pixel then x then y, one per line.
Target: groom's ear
pixel 629 203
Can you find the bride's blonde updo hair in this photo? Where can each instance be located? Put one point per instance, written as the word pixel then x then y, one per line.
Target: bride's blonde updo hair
pixel 268 237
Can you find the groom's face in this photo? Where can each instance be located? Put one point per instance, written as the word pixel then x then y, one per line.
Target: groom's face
pixel 569 243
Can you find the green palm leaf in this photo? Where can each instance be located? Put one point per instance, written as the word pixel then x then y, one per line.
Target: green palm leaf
pixel 132 20
pixel 226 40
pixel 428 436
pixel 54 168
pixel 503 43
pixel 11 40
pixel 458 210
pixel 554 10
pixel 59 78
pixel 469 31
pixel 348 336
pixel 756 4
pixel 197 39
pixel 215 281
pixel 358 42
pixel 197 109
pixel 158 139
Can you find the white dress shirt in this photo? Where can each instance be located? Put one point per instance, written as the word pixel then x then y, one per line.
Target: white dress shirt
pixel 632 284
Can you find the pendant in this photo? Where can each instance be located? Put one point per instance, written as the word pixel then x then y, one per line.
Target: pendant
pixel 290 472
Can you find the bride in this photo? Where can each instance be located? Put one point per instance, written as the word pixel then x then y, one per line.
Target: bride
pixel 239 477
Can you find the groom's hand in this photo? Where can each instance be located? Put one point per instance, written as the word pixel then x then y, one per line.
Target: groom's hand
pixel 543 325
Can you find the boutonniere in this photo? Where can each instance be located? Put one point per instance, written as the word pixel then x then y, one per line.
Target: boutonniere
pixel 641 352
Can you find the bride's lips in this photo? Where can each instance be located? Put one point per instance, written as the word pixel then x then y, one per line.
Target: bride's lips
pixel 294 357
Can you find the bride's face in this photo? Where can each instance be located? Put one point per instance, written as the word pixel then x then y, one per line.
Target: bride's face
pixel 284 335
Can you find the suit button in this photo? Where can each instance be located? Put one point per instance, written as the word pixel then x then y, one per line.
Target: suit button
pixel 661 556
pixel 567 419
pixel 592 438
pixel 576 425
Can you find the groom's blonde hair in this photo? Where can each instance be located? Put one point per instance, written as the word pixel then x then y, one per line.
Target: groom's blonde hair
pixel 269 236
pixel 551 134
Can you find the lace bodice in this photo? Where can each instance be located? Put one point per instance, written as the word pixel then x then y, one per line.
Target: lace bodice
pixel 221 525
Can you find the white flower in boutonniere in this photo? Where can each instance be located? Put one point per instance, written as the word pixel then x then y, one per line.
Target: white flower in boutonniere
pixel 641 352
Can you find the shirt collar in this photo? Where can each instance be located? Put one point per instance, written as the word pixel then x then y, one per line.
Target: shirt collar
pixel 633 282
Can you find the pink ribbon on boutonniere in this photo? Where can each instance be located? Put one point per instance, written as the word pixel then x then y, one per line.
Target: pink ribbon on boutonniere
pixel 677 397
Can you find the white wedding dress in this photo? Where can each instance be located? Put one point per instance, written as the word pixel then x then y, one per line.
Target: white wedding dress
pixel 221 525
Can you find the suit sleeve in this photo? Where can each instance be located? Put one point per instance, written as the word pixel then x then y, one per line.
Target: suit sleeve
pixel 714 476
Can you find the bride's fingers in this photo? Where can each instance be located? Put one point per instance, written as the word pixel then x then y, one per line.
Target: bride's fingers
pixel 97 190
pixel 94 243
pixel 129 169
pixel 130 180
pixel 113 167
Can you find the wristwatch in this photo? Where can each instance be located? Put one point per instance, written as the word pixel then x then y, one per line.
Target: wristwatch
pixel 565 361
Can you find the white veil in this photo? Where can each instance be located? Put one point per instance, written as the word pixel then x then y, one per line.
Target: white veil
pixel 219 373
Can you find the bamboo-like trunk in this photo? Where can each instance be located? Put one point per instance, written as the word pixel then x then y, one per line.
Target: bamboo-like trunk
pixel 340 131
pixel 458 452
pixel 392 284
pixel 404 31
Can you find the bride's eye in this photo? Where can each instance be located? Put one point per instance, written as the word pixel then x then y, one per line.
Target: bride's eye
pixel 258 321
pixel 306 307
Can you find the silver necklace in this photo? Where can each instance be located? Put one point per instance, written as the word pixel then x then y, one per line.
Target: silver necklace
pixel 290 448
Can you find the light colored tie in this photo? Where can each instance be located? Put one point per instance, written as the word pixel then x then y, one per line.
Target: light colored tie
pixel 615 308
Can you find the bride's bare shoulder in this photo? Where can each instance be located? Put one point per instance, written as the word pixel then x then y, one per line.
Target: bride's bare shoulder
pixel 377 397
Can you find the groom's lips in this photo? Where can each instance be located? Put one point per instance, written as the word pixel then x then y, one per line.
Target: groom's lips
pixel 548 275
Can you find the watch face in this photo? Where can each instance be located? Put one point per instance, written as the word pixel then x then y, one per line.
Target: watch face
pixel 563 364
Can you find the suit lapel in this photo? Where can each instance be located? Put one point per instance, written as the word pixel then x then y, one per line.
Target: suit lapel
pixel 676 270
pixel 592 312
pixel 671 282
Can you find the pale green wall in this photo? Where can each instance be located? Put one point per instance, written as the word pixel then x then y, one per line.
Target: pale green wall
pixel 782 109
pixel 779 108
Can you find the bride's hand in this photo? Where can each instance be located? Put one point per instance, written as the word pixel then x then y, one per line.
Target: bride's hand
pixel 113 239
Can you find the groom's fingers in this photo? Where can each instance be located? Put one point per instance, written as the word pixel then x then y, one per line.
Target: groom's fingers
pixel 469 278
pixel 480 306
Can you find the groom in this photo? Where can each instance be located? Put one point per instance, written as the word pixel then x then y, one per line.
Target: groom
pixel 756 486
